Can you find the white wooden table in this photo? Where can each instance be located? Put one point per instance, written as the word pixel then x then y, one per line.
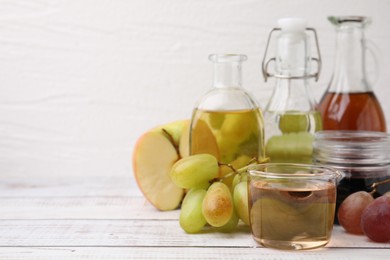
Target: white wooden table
pixel 105 217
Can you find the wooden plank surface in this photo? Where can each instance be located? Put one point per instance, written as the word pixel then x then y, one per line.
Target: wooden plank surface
pixel 126 253
pixel 100 218
pixel 81 208
pixel 138 233
pixel 99 225
pixel 37 185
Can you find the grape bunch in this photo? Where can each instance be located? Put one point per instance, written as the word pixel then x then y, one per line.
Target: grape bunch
pixel 360 213
pixel 208 199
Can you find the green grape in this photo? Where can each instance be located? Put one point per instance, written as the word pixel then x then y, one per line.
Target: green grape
pixel 239 178
pixel 228 174
pixel 294 147
pixel 240 199
pixel 231 225
pixel 236 180
pixel 294 122
pixel 194 171
pixel 204 186
pixel 191 218
pixel 218 205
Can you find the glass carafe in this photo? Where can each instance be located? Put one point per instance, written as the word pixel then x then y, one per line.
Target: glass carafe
pixel 290 116
pixel 227 122
pixel 349 102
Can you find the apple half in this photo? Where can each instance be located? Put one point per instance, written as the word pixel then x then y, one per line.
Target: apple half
pixel 156 151
pixel 154 155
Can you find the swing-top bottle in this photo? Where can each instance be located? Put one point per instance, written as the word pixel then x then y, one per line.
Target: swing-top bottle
pixel 290 116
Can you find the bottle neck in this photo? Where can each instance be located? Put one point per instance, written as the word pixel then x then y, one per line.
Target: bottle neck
pixel 292 66
pixel 227 70
pixel 291 95
pixel 227 75
pixel 292 55
pixel 349 74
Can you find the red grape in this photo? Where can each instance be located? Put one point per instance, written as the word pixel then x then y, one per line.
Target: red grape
pixel 375 220
pixel 351 209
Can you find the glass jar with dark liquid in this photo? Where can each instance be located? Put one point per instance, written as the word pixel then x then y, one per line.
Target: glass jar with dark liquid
pixel 363 157
pixel 349 103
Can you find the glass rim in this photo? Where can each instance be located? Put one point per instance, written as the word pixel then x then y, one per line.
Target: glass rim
pixel 342 19
pixel 337 135
pixel 324 172
pixel 351 147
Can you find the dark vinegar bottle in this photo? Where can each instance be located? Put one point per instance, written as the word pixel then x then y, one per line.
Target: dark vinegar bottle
pixel 349 103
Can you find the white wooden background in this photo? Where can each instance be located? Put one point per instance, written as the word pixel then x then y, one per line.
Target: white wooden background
pixel 81 80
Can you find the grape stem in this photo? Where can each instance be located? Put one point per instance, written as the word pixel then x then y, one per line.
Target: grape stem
pixel 234 171
pixel 376 184
pixel 253 161
pixel 227 165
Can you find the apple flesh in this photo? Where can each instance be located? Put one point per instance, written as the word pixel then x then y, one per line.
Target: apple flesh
pixel 203 140
pixel 154 155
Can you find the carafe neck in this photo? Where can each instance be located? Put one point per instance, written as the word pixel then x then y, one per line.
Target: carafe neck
pixel 349 74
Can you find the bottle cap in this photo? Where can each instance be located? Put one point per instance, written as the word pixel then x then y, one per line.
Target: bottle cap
pixel 292 24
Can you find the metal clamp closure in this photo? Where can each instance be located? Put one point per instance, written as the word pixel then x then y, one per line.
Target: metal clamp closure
pixel 265 64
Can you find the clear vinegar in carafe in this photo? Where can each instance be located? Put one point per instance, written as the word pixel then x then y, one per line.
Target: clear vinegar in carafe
pixel 227 122
pixel 232 135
